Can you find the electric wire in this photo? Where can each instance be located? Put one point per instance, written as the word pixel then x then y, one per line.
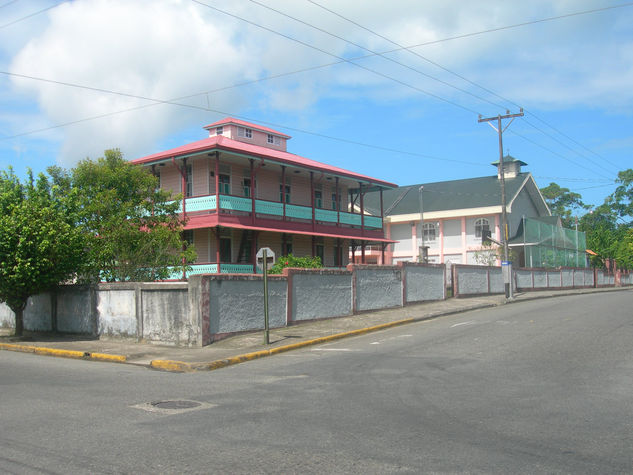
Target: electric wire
pixel 556 153
pixel 32 14
pixel 158 101
pixel 487 89
pixel 207 109
pixel 8 3
pixel 316 48
pixel 375 53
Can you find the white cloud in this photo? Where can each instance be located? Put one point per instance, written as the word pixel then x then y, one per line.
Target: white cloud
pixel 170 48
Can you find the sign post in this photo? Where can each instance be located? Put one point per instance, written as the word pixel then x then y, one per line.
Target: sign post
pixel 264 262
pixel 506 270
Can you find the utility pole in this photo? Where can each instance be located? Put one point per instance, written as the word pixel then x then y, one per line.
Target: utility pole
pixel 507 277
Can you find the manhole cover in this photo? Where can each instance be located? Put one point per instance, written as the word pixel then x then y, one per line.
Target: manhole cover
pixel 175 404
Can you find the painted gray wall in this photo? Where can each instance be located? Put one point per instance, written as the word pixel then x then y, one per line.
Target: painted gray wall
pixel 567 277
pixel 37 314
pixel 76 310
pixel 472 280
pixel 378 287
pixel 237 304
pixel 553 279
pixel 424 282
pixel 523 279
pixel 497 286
pixel 164 313
pixel 117 313
pixel 540 279
pixel 521 206
pixel 321 294
pixel 7 318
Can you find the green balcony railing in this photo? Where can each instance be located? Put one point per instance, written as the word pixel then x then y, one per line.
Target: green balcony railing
pixel 238 203
pixel 213 269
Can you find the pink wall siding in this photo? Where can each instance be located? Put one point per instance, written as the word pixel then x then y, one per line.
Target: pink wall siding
pixel 258 138
pixel 201 244
pixel 170 178
pixel 200 174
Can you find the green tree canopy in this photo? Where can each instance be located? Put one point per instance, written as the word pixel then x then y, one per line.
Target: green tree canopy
pixel 40 243
pixel 621 200
pixel 134 231
pixel 563 202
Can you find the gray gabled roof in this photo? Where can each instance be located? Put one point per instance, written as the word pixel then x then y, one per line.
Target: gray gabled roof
pixel 445 195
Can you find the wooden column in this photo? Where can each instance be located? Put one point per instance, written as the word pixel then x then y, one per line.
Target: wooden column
pixel 362 216
pixel 217 248
pixel 217 191
pixel 252 192
pixel 338 204
pixel 312 199
pixel 283 189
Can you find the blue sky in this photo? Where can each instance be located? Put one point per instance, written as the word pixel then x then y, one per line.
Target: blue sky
pixel 406 116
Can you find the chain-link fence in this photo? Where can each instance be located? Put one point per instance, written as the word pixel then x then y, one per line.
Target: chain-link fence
pixel 547 245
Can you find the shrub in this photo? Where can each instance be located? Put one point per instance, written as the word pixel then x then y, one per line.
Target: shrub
pixel 292 261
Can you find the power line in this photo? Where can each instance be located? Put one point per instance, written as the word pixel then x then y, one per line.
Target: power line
pixel 556 153
pixel 378 73
pixel 341 60
pixel 159 101
pixel 8 3
pixel 572 140
pixel 482 87
pixel 312 68
pixel 31 15
pixel 566 146
pixel 375 53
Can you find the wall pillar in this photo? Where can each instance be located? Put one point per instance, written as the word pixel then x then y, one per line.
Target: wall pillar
pixel 464 253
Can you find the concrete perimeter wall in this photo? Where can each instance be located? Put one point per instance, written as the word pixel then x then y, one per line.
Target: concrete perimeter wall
pixel 210 307
pixel 153 312
pixel 423 282
pixel 229 304
pixel 476 280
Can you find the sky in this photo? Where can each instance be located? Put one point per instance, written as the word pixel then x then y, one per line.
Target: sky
pixel 390 89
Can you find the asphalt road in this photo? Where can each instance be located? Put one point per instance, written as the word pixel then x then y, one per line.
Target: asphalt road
pixel 536 387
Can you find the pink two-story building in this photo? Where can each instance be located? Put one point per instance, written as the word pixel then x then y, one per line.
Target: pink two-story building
pixel 241 190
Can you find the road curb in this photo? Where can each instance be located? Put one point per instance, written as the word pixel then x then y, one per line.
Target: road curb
pixel 84 355
pixel 181 366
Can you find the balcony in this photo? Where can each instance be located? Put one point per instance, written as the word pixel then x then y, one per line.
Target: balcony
pixel 238 210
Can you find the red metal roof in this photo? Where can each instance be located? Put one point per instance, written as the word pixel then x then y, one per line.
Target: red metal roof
pixel 243 123
pixel 219 142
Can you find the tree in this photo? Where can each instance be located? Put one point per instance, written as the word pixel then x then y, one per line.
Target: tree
pixel 602 231
pixel 133 229
pixel 40 244
pixel 621 200
pixel 563 202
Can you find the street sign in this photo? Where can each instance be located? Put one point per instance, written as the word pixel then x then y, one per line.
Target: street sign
pixel 270 258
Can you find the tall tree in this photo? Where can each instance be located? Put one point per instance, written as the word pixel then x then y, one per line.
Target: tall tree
pixel 40 244
pixel 134 231
pixel 563 202
pixel 622 198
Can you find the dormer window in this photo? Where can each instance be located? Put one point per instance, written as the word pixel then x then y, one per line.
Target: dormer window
pixel 245 132
pixel 219 131
pixel 273 139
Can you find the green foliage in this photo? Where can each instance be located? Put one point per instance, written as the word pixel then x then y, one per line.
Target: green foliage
pixel 621 201
pixel 604 234
pixel 133 228
pixel 40 244
pixel 490 253
pixel 563 202
pixel 292 261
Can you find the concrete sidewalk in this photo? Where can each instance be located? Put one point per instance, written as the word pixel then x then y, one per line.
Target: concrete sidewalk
pixel 249 346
